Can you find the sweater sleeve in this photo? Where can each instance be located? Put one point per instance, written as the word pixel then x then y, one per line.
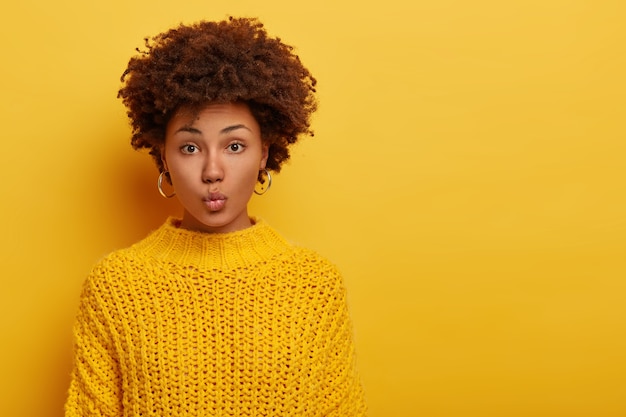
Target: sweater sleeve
pixel 343 392
pixel 95 388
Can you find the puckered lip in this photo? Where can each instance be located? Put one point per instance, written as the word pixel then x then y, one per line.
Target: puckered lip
pixel 215 196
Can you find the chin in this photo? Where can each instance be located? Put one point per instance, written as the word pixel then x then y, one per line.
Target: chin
pixel 215 222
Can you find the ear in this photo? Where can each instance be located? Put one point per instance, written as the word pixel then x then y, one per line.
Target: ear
pixel 265 154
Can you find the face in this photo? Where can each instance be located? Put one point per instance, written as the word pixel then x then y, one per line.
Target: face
pixel 214 156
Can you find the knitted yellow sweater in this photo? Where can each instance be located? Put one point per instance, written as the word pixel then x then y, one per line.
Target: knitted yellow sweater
pixel 186 323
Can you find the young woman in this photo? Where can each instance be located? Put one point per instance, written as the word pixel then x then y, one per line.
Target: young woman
pixel 215 313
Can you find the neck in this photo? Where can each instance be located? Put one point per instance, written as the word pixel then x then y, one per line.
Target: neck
pixel 239 249
pixel 213 224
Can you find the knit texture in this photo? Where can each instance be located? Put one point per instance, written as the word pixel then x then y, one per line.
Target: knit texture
pixel 186 323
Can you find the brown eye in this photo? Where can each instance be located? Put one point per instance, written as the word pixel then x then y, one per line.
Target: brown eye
pixel 235 147
pixel 189 149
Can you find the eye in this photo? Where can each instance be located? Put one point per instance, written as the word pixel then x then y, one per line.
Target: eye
pixel 189 149
pixel 236 147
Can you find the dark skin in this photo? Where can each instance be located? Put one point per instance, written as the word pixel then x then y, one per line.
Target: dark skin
pixel 219 62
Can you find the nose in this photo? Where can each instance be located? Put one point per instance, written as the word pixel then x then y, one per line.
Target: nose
pixel 213 170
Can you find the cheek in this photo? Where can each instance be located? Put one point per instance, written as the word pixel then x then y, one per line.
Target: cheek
pixel 181 174
pixel 244 169
pixel 248 177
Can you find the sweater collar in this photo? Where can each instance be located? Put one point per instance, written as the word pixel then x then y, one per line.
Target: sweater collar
pixel 225 251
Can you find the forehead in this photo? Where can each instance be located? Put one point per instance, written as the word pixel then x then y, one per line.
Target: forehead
pixel 213 116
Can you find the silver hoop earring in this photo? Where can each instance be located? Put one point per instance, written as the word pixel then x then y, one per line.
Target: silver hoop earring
pixel 269 183
pixel 160 186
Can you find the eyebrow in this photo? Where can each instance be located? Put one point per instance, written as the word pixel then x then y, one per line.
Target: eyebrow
pixel 227 129
pixel 188 129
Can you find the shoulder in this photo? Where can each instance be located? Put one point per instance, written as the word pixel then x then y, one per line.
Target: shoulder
pixel 310 266
pixel 116 269
pixel 105 270
pixel 314 281
pixel 306 256
pixel 303 255
pixel 115 260
pixel 127 259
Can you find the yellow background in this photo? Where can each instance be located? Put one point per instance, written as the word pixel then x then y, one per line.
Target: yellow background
pixel 467 176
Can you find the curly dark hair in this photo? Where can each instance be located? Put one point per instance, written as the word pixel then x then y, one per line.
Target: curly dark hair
pixel 219 62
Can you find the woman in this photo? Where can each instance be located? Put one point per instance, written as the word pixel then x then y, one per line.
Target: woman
pixel 215 313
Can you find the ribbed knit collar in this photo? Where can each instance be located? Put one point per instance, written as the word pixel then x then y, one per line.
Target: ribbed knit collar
pixel 223 251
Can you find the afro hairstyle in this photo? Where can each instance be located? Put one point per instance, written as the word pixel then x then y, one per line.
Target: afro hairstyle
pixel 219 62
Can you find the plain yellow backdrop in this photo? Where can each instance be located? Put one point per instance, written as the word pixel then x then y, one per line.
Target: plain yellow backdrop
pixel 467 176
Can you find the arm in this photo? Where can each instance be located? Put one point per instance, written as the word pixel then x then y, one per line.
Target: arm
pixel 342 388
pixel 95 388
